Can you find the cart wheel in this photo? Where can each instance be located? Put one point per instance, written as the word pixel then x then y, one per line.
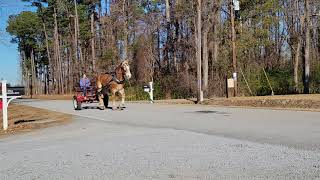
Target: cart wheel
pixel 76 104
pixel 106 100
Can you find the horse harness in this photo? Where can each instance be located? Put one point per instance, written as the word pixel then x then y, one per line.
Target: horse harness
pixel 115 79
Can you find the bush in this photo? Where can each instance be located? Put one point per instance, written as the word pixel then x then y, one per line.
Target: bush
pixel 281 81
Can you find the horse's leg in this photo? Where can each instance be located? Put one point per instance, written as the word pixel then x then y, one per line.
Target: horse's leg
pixel 100 95
pixel 113 97
pixel 123 95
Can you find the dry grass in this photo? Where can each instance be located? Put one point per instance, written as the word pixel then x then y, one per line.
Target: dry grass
pixel 297 102
pixel 25 118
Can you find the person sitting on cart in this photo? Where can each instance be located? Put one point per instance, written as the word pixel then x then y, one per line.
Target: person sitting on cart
pixel 84 84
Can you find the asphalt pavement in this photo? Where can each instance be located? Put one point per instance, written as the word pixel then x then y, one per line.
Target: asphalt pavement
pixel 152 141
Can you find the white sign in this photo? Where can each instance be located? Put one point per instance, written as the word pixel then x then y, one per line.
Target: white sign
pixel 230 83
pixel 236 4
pixel 234 76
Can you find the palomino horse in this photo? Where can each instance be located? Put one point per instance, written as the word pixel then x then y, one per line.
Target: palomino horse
pixel 114 83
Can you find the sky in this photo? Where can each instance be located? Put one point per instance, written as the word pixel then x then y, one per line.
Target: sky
pixel 9 55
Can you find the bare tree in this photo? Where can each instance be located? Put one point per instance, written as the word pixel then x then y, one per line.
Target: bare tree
pixel 307 49
pixel 198 52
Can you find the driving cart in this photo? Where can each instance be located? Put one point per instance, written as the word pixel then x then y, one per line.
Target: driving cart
pixel 87 97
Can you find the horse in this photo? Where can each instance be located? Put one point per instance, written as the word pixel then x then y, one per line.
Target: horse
pixel 113 83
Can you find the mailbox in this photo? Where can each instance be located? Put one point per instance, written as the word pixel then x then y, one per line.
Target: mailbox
pixel 14 91
pixel 149 89
pixel 8 94
pixel 146 88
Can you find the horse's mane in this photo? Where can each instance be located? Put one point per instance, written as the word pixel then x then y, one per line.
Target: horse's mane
pixel 115 70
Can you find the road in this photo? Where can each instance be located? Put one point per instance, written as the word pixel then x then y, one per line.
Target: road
pixel 152 141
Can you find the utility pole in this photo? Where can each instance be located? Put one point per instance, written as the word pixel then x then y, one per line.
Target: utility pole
pixel 234 53
pixel 198 54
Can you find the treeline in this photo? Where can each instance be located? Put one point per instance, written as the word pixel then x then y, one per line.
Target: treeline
pixel 164 40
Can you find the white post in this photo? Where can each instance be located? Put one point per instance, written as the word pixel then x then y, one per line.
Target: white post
pixel 4 105
pixel 151 91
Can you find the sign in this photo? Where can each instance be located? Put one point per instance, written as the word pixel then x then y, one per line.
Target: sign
pixel 230 83
pixel 234 76
pixel 236 4
pixel 15 91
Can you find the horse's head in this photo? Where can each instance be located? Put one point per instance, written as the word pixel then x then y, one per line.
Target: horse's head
pixel 126 67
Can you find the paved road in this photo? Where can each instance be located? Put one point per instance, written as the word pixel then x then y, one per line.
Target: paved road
pixel 167 142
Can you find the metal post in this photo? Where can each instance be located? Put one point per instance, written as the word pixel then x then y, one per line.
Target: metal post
pixel 151 91
pixel 31 93
pixel 4 105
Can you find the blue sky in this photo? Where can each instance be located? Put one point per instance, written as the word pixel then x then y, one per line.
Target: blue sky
pixel 9 56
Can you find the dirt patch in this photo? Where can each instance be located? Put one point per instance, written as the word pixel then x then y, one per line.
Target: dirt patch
pixel 25 118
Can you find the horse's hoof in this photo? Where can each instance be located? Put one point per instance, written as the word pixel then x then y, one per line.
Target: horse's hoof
pixel 114 109
pixel 101 107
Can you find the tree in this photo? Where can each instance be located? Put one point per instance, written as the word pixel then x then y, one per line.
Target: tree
pixel 198 51
pixel 307 49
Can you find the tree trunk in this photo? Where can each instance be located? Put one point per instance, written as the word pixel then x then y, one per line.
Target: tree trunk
pixel 33 73
pixel 57 54
pixel 168 43
pixel 125 30
pixel 49 69
pixel 205 59
pixel 216 22
pixel 307 50
pixel 198 52
pixel 296 65
pixel 93 35
pixel 176 45
pixel 77 34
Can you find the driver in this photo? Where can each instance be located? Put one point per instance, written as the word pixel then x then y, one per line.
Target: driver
pixel 84 84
